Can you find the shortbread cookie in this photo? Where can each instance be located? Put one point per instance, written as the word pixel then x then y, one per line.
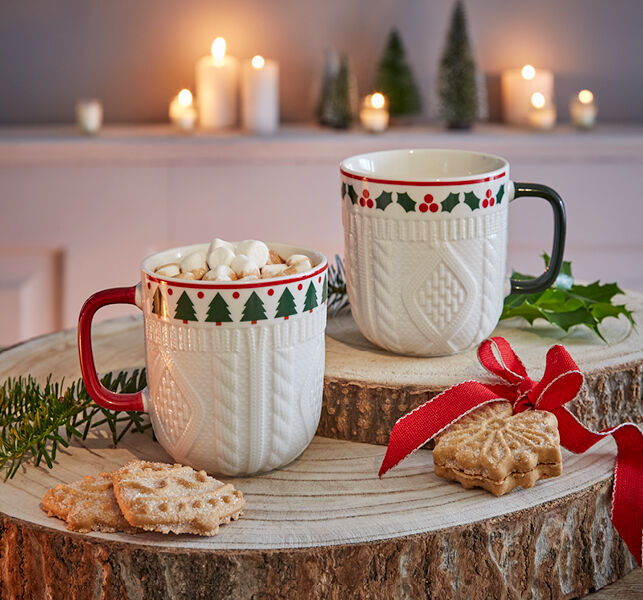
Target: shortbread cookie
pixel 163 497
pixel 496 450
pixel 87 505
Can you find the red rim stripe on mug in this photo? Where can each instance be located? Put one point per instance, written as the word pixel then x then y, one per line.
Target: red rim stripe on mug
pixel 236 284
pixel 422 183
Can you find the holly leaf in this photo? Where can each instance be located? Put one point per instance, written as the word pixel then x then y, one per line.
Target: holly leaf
pixel 352 194
pixel 500 194
pixel 343 189
pixel 406 202
pixel 471 200
pixel 383 200
pixel 450 202
pixel 567 304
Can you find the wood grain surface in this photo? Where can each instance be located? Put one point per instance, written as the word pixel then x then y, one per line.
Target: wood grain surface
pixel 323 527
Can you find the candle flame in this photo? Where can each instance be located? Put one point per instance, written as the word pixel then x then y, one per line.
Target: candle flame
pixel 377 100
pixel 185 97
pixel 528 72
pixel 218 49
pixel 585 96
pixel 537 100
pixel 258 62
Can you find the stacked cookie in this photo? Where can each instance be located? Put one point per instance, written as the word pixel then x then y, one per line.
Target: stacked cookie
pixel 148 496
pixel 242 261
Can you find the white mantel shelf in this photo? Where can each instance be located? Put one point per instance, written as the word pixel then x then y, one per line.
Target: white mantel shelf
pixel 161 145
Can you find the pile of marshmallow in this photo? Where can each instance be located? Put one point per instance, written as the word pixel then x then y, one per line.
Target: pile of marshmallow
pixel 243 261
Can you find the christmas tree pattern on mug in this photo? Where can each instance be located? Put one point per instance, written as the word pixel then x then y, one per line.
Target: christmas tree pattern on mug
pixel 218 311
pixel 159 304
pixel 427 205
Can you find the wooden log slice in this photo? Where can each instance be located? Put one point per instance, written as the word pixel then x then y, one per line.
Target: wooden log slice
pixel 324 527
pixel 367 389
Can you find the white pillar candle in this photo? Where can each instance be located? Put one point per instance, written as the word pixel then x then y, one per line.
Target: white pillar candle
pixel 182 113
pixel 518 86
pixel 542 114
pixel 260 95
pixel 374 113
pixel 89 115
pixel 216 88
pixel 583 110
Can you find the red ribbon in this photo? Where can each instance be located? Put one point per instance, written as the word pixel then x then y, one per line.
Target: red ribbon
pixel 560 384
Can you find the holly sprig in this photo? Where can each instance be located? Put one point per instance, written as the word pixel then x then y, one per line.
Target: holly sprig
pixel 566 304
pixel 36 420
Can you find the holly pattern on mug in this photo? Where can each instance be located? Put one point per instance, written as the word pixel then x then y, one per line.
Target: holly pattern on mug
pixel 430 203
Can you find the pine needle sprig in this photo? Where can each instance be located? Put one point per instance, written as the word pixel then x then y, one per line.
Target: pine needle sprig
pixel 36 420
pixel 337 294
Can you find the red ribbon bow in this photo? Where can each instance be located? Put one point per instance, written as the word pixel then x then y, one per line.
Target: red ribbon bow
pixel 560 384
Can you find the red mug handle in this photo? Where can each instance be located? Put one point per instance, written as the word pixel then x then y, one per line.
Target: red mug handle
pixel 100 394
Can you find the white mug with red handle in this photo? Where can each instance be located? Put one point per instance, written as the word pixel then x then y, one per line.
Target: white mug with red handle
pixel 235 369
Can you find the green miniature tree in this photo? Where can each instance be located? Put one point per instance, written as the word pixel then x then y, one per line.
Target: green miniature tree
pixel 339 106
pixel 253 309
pixel 395 79
pixel 159 305
pixel 185 309
pixel 311 298
pixel 286 305
pixel 218 310
pixel 457 77
pixel 331 67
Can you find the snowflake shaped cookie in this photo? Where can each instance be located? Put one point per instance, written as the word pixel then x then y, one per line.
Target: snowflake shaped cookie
pixel 496 450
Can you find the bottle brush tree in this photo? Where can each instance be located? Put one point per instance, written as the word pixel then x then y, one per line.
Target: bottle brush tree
pixel 339 106
pixel 395 79
pixel 457 85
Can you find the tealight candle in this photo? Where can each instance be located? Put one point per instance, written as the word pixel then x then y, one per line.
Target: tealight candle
pixel 518 86
pixel 260 95
pixel 583 110
pixel 89 115
pixel 182 112
pixel 216 87
pixel 374 113
pixel 542 114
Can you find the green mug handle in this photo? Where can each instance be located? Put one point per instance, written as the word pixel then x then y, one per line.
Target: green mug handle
pixel 542 282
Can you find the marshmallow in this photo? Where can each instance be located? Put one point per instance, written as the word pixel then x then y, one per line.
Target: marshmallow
pixel 220 273
pixel 220 256
pixel 171 270
pixel 248 278
pixel 193 262
pixel 186 275
pixel 274 258
pixel 254 250
pixel 298 267
pixel 243 266
pixel 295 258
pixel 272 270
pixel 218 243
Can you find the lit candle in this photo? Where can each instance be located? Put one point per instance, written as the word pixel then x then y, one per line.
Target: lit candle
pixel 89 115
pixel 182 112
pixel 374 113
pixel 583 110
pixel 216 87
pixel 542 114
pixel 518 86
pixel 260 95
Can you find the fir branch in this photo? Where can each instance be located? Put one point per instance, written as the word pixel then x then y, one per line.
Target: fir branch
pixel 36 421
pixel 337 294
